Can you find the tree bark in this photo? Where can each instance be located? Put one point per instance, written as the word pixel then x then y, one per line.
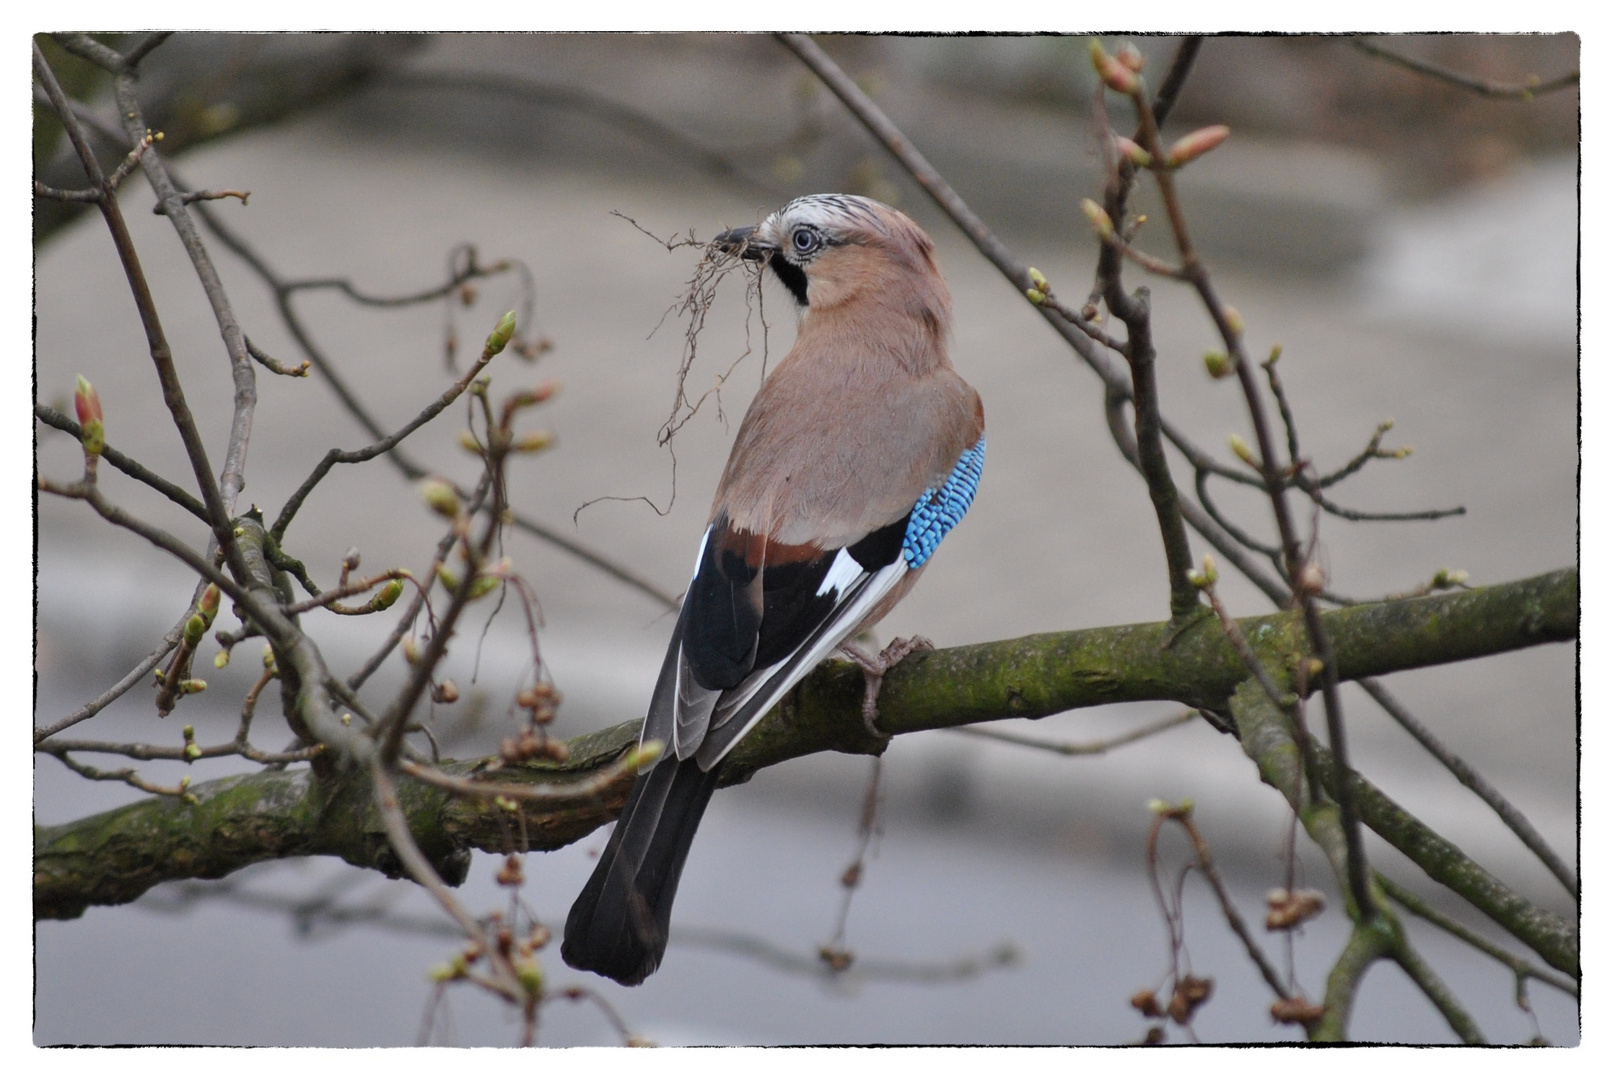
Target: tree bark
pixel 114 857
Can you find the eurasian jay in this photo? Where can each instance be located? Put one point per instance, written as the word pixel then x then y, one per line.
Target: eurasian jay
pixel 859 453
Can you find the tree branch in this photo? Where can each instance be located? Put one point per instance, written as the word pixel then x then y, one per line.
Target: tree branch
pixel 112 858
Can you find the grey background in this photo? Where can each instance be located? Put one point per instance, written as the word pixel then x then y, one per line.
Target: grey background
pixel 1449 307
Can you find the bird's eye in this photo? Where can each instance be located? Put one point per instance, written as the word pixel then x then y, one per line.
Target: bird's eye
pixel 804 241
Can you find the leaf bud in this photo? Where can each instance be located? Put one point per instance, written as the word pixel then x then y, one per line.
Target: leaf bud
pixel 533 442
pixel 469 441
pixel 87 403
pixel 387 596
pixel 1218 364
pixel 1132 152
pixel 500 336
pixel 1099 217
pixel 1448 579
pixel 195 627
pixel 1115 75
pixel 1036 296
pixel 440 496
pixel 1243 451
pixel 192 686
pixel 207 606
pixel 221 659
pixel 644 755
pixel 1206 576
pixel 1233 318
pixel 1038 279
pixel 1196 144
pixel 1131 56
pixel 446 692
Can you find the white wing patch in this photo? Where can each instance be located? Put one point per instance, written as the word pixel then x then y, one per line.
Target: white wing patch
pixel 842 572
pixel 723 735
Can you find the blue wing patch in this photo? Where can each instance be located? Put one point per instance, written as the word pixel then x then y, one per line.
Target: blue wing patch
pixel 937 511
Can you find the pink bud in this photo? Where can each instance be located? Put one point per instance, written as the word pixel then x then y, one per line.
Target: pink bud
pixel 1196 144
pixel 1132 152
pixel 86 401
pixel 1115 75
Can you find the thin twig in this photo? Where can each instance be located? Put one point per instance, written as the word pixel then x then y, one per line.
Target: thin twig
pixel 1078 749
pixel 1528 90
pixel 1198 275
pixel 156 340
pixel 188 197
pixel 1470 778
pixel 1435 990
pixel 357 410
pixel 1521 968
pixel 125 464
pixel 233 476
pixel 596 783
pixel 119 688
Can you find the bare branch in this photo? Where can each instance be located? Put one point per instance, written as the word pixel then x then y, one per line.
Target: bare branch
pixel 1079 749
pixel 126 465
pixel 1528 90
pixel 1509 814
pixel 157 342
pixel 233 477
pixel 117 689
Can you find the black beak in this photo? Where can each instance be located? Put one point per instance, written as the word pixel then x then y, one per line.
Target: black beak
pixel 742 242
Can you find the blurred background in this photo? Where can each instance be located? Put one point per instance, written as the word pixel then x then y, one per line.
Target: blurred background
pixel 1412 246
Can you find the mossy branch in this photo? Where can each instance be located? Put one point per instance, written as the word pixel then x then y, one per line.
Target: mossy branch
pixel 112 858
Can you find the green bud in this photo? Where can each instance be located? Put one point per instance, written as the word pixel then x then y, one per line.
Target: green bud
pixel 531 977
pixel 192 686
pixel 1243 451
pixel 1036 296
pixel 1037 279
pixel 440 496
pixel 645 754
pixel 449 579
pixel 387 596
pixel 500 336
pixel 192 751
pixel 1099 217
pixel 195 627
pixel 1218 364
pixel 1448 579
pixel 483 585
pixel 222 659
pixel 207 606
pixel 533 442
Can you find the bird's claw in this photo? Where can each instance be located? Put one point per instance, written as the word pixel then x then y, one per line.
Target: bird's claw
pixel 874 669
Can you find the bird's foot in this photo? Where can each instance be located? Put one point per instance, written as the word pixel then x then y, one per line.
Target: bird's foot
pixel 874 668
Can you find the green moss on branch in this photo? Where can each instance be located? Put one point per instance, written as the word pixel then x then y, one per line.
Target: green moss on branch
pixel 112 858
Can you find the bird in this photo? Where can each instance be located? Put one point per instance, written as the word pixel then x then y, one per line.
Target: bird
pixel 861 450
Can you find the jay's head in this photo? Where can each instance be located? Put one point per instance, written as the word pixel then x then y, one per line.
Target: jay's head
pixel 834 250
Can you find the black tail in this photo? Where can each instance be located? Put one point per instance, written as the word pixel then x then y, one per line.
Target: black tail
pixel 618 926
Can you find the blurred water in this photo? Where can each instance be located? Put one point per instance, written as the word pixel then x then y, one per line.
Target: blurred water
pixel 1457 327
